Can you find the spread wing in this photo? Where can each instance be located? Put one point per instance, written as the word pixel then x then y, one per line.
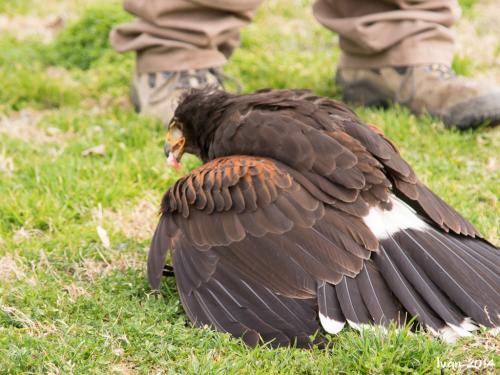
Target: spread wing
pixel 249 245
pixel 257 255
pixel 323 217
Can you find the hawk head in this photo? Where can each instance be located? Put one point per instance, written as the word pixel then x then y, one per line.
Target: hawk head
pixel 194 123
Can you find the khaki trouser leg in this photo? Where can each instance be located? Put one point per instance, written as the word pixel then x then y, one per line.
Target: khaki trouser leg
pixel 174 35
pixel 378 33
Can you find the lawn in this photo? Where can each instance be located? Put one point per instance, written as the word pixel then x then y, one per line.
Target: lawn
pixel 75 223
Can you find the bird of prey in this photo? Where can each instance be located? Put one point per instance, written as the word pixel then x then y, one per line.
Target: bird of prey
pixel 303 217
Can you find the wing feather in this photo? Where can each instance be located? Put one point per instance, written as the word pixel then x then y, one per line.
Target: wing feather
pixel 263 242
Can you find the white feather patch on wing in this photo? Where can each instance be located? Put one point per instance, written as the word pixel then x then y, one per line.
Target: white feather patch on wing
pixel 384 223
pixel 331 326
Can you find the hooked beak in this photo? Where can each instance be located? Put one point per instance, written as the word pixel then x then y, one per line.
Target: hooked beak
pixel 174 148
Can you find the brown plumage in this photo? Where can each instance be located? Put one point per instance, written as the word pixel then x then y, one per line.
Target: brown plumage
pixel 301 209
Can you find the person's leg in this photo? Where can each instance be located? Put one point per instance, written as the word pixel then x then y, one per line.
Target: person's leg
pixel 178 44
pixel 376 33
pixel 401 51
pixel 178 35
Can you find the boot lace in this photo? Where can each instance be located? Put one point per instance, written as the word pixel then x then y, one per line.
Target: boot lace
pixel 444 71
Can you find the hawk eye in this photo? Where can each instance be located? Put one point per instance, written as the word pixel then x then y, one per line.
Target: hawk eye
pixel 175 124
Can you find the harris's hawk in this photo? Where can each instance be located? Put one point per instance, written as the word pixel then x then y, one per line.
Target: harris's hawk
pixel 304 217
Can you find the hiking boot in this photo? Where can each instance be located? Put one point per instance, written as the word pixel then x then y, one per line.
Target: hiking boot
pixel 157 94
pixel 459 102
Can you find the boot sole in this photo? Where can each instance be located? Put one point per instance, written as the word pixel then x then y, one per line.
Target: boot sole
pixel 482 111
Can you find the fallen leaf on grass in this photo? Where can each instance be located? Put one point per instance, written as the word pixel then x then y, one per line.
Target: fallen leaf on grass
pixel 96 150
pixel 103 235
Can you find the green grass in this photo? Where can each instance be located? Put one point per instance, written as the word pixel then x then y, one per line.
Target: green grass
pixel 468 6
pixel 462 65
pixel 14 7
pixel 70 305
pixel 87 40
